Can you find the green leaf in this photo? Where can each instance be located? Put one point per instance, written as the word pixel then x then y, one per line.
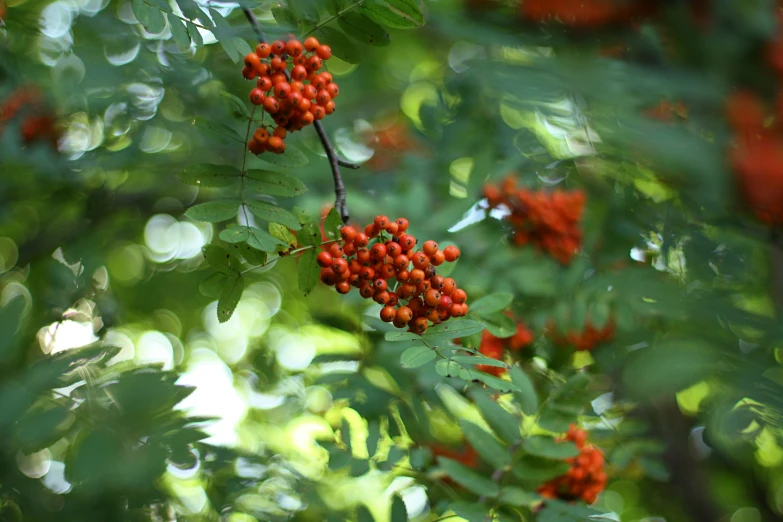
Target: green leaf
pixel 221 260
pixel 416 356
pixel 472 512
pixel 548 448
pixel 446 368
pixel 309 273
pixel 452 329
pixel 399 513
pixel 230 296
pixel 148 16
pixel 478 359
pixel 10 323
pixel 208 175
pixel 333 224
pixel 362 513
pixel 274 183
pixel 500 325
pixel 502 422
pixel 38 429
pixel 338 459
pixel 399 14
pixel 195 36
pixel 273 213
pixel 468 478
pixel 526 397
pixel 491 381
pixel 490 450
pixel 212 285
pixel 668 367
pixel 515 496
pixel 251 255
pixel 557 511
pixel 213 211
pixel 217 131
pixel 538 470
pixel 256 238
pixel 489 304
pixel 235 106
pixel 309 234
pixel 345 434
pixel 397 336
pixel 373 436
pixel 179 32
pixel 293 157
pixel 282 233
pixel 342 47
pixel 363 29
pixel 285 17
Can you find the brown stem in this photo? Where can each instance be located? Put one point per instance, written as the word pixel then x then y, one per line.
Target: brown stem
pixel 339 188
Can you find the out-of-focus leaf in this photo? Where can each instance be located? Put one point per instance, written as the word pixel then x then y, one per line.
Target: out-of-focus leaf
pixel 489 304
pixel 469 479
pixel 548 448
pixel 415 356
pixel 399 513
pixel 500 325
pixel 399 14
pixel 273 213
pixel 488 448
pixel 213 211
pixel 668 367
pixel 537 469
pixel 207 175
pixel 360 27
pixel 309 272
pixel 397 336
pixel 501 421
pixel 230 296
pixel 274 183
pixel 526 397
pixel 236 108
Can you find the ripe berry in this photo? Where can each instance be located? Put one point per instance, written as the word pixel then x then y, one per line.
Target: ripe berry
pixel 256 147
pixel 380 285
pixel 378 251
pixel 455 310
pixel 322 97
pixel 336 250
pixel 448 286
pixel 387 271
pixel 257 96
pixel 420 260
pixel 318 112
pixel 445 302
pixel 367 273
pixel 401 262
pixel 263 50
pixel 407 241
pixel 311 44
pixel 282 90
pixel 278 47
pixel 324 259
pixel 248 73
pixel 264 83
pixel 416 277
pixel 276 144
pixel 432 297
pixel 261 134
pixel 459 296
pixel 452 253
pixel 388 313
pixel 280 132
pixel 343 287
pixel 402 276
pixel 298 73
pixel 278 64
pixel 271 104
pixel 404 314
pixel 438 258
pixel 314 63
pixel 348 233
pixel 324 52
pixel 381 297
pixel 420 325
pixel 252 61
pixel 429 247
pixel 293 48
pixel 328 277
pixel 339 265
pixel 366 291
pixel 402 224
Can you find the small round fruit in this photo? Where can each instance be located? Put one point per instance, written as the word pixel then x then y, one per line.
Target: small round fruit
pixel 388 313
pixel 324 259
pixel 452 253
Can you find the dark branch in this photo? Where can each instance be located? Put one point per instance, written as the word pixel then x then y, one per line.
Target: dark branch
pixel 339 188
pixel 348 164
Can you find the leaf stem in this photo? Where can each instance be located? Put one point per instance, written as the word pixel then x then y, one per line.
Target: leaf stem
pixel 289 254
pixel 333 18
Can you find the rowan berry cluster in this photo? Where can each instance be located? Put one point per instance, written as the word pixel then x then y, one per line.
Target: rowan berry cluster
pixel 294 98
pixel 495 347
pixel 585 479
pixel 383 263
pixel 757 155
pixel 38 123
pixel 465 454
pixel 587 339
pixel 548 220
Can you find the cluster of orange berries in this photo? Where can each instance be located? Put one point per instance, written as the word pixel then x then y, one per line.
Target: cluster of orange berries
pixel 587 339
pixel 389 142
pixel 465 455
pixel 38 123
pixel 757 154
pixel 494 347
pixel 294 98
pixel 549 220
pixel 585 479
pixel 390 271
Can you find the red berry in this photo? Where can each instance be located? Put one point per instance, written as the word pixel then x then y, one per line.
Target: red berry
pixel 324 259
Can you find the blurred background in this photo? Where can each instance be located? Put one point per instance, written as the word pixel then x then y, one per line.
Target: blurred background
pixel 124 397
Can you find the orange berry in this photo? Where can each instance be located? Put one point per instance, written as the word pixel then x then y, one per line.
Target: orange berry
pixel 388 314
pixel 257 96
pixel 311 44
pixel 271 104
pixel 263 50
pixel 278 47
pixel 261 134
pixel 324 52
pixel 452 253
pixel 324 259
pixel 293 48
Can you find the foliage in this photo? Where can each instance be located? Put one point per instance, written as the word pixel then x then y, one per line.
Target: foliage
pixel 167 351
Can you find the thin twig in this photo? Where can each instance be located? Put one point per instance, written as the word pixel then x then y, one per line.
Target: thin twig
pixel 339 188
pixel 347 164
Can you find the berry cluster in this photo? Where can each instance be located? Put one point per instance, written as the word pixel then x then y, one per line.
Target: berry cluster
pixel 583 13
pixel 38 123
pixel 757 156
pixel 465 455
pixel 586 478
pixel 389 141
pixel 494 347
pixel 294 98
pixel 549 220
pixel 587 339
pixel 391 272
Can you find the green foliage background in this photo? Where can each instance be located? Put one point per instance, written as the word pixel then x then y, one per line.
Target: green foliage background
pixel 127 336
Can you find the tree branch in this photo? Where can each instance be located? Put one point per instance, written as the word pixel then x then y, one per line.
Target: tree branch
pixel 334 162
